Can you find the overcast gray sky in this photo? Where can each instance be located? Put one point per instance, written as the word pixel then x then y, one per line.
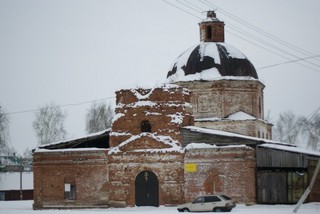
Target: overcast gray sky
pixel 76 51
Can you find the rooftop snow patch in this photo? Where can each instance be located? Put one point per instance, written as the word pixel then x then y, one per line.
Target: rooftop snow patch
pixel 88 137
pixel 293 149
pixel 208 146
pixel 240 115
pixel 231 134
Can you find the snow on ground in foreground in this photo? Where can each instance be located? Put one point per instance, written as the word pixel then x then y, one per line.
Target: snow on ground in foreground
pixel 25 207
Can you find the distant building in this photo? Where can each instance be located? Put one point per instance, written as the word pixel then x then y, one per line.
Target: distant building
pixel 10 188
pixel 202 133
pixel 13 163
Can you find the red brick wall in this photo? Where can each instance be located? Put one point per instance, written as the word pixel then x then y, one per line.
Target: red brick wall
pixel 160 106
pixel 228 170
pixel 87 169
pixel 124 167
pixel 167 109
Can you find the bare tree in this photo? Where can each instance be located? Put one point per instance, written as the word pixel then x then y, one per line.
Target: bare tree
pixel 99 117
pixel 49 124
pixel 4 132
pixel 288 127
pixel 311 129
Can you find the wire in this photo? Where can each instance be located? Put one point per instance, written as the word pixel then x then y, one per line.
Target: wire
pixel 291 61
pixel 262 32
pixel 65 105
pixel 296 59
pixel 181 9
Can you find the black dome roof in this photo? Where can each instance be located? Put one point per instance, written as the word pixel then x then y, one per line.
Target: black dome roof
pixel 210 60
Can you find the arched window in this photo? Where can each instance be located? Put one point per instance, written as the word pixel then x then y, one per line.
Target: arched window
pixel 209 32
pixel 145 126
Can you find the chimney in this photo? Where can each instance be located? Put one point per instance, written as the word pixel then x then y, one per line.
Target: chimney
pixel 211 29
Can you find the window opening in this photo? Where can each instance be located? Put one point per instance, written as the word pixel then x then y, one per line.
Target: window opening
pixel 145 126
pixel 260 107
pixel 69 191
pixel 209 32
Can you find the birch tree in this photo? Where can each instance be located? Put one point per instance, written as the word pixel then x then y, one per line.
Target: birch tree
pixel 4 132
pixel 99 117
pixel 311 129
pixel 288 127
pixel 49 124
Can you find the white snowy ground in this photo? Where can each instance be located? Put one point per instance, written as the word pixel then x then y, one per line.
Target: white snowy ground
pixel 25 207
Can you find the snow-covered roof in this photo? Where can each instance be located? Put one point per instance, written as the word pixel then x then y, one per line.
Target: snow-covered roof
pixel 264 143
pixel 290 149
pixel 69 150
pixel 209 146
pixel 11 181
pixel 211 61
pixel 231 134
pixel 80 139
pixel 240 115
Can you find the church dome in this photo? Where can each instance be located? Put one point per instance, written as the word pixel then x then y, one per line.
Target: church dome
pixel 210 60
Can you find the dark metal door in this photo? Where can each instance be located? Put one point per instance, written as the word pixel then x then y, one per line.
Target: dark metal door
pixel 147 189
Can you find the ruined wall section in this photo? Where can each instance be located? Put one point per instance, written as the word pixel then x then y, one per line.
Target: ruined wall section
pixel 85 169
pixel 229 170
pixel 165 108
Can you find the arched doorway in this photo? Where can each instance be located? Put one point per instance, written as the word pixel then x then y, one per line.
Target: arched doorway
pixel 147 189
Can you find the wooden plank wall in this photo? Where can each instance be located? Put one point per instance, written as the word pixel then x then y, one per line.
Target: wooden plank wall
pixel 272 158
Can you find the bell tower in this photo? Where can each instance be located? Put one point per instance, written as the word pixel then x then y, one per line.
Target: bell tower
pixel 211 29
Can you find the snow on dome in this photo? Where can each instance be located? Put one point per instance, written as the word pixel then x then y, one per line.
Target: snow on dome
pixel 210 61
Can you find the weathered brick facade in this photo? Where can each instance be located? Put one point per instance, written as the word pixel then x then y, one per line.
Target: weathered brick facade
pixel 145 138
pixel 146 164
pixel 220 98
pixel 87 170
pixel 124 168
pixel 165 109
pixel 229 170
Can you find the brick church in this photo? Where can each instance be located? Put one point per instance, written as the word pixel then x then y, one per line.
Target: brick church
pixel 202 132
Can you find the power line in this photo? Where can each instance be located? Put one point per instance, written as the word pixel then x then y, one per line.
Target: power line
pixel 65 105
pixel 259 30
pixel 262 41
pixel 181 9
pixel 287 62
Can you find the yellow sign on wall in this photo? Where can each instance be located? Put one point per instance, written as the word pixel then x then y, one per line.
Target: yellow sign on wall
pixel 191 167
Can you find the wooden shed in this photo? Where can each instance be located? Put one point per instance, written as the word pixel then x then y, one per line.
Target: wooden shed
pixel 284 172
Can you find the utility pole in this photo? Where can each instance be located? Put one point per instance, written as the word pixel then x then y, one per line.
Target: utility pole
pixel 308 190
pixel 21 170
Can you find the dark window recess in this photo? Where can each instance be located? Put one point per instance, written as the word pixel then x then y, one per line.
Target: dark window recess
pixel 145 126
pixel 209 32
